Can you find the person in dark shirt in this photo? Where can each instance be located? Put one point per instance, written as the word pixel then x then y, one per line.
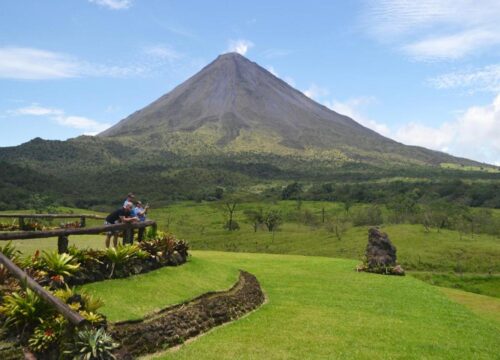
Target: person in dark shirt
pixel 121 215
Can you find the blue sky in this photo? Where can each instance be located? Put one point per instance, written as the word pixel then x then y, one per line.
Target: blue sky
pixel 421 72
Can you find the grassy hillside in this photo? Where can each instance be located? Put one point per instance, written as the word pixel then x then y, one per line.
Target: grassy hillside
pixel 321 308
pixel 446 250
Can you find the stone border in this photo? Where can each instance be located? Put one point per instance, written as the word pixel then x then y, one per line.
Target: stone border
pixel 174 325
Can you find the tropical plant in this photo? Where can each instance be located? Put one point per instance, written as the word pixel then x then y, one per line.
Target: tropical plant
pixel 93 344
pixel 92 317
pixel 47 334
pixel 24 309
pixel 121 255
pixel 59 264
pixel 10 251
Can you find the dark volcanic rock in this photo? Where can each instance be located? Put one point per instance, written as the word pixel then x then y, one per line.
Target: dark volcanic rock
pixel 379 251
pixel 178 323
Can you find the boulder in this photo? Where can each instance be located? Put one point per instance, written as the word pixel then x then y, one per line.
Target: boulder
pixel 380 251
pixel 380 255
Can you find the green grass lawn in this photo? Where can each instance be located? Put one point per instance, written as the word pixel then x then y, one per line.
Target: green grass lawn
pixel 485 306
pixel 317 308
pixel 133 297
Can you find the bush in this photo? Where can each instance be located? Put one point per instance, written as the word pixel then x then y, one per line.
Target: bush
pixel 371 215
pixel 93 344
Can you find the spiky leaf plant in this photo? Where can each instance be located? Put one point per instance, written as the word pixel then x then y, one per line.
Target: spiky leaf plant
pixel 93 344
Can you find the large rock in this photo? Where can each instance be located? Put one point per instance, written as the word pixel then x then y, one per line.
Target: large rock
pixel 380 252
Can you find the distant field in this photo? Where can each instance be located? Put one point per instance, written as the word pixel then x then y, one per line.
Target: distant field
pixel 202 226
pixel 438 255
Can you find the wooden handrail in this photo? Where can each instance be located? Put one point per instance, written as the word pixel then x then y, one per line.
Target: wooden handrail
pixel 52 216
pixel 24 235
pixel 71 315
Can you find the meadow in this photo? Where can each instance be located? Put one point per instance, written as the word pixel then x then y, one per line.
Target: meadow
pixel 441 257
pixel 316 307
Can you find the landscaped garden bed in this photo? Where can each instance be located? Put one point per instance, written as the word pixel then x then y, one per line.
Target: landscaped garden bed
pixel 38 328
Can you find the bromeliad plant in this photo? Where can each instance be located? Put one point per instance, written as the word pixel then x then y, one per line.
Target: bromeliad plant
pixel 58 266
pixel 24 310
pixel 121 256
pixel 93 344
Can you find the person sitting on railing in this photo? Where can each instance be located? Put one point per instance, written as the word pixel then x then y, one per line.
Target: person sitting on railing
pixel 122 215
pixel 140 211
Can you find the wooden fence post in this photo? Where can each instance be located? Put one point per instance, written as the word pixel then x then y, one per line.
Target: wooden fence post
pixel 22 226
pixel 62 243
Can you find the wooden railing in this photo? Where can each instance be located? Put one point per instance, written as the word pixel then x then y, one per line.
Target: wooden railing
pixel 72 316
pixel 22 224
pixel 62 234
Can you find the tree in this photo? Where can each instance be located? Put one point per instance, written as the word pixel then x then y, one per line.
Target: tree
pixel 256 217
pixel 292 191
pixel 273 220
pixel 230 208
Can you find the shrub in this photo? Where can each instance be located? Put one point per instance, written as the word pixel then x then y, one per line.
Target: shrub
pixel 47 335
pixel 59 265
pixel 120 256
pixel 371 215
pixel 24 309
pixel 93 344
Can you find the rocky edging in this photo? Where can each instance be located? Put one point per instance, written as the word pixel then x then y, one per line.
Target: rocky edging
pixel 176 324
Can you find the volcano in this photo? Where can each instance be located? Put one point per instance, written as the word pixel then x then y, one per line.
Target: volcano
pixel 233 104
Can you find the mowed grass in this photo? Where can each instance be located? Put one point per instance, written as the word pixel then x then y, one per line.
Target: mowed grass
pixel 485 306
pixel 136 296
pixel 320 308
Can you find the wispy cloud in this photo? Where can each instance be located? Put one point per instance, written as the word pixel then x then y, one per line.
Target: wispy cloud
pixel 113 4
pixel 479 79
pixel 473 134
pixel 163 52
pixel 88 126
pixel 435 29
pixel 316 92
pixel 452 47
pixel 353 108
pixel 37 64
pixel 241 46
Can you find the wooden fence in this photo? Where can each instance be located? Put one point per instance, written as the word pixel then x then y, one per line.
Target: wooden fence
pixel 62 234
pixel 22 224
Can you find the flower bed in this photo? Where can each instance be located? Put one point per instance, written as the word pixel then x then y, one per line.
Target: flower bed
pixel 36 326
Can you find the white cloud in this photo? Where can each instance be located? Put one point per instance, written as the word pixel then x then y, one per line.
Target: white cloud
pixel 37 64
pixel 473 134
pixel 435 29
pixel 453 46
pixel 57 115
pixel 480 79
pixel 113 4
pixel 240 46
pixel 316 92
pixel 352 108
